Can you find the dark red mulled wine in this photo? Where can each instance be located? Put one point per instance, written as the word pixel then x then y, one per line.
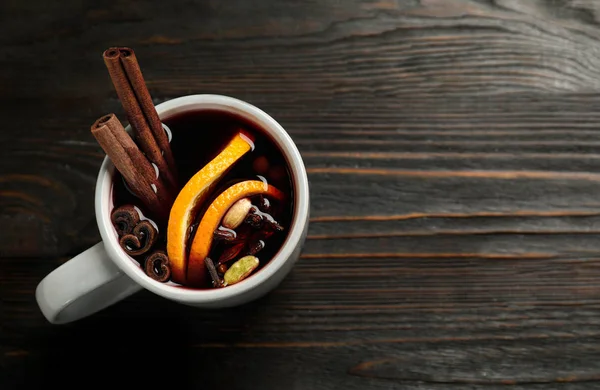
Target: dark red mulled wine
pixel 197 138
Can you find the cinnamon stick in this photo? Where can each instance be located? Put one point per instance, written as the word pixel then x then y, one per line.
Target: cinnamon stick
pixel 139 174
pixel 136 117
pixel 143 166
pixel 134 74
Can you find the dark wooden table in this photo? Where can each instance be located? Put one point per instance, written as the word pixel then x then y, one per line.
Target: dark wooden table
pixel 452 149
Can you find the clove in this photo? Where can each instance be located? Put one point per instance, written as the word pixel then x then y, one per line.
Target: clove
pixel 216 280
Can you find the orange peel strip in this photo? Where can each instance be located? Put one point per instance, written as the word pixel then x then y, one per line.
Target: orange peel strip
pixel 191 197
pixel 196 271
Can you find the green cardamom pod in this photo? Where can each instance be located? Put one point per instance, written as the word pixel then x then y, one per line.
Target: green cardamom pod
pixel 241 269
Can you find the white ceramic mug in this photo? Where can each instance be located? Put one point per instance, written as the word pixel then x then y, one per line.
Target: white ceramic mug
pixel 104 274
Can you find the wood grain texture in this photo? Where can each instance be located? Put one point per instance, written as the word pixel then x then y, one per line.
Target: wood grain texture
pixel 453 153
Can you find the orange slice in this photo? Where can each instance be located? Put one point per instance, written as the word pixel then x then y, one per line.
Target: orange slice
pixel 192 196
pixel 197 272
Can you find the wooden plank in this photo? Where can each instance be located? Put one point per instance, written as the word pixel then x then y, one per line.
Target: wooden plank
pixel 352 322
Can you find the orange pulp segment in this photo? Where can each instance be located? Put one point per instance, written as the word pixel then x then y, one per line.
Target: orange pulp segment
pixel 191 197
pixel 196 271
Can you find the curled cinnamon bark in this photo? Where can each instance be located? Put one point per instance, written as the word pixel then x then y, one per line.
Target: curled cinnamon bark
pixel 136 236
pixel 157 266
pixel 140 240
pixel 124 219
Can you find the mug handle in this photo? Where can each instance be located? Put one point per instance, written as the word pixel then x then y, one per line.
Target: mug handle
pixel 84 285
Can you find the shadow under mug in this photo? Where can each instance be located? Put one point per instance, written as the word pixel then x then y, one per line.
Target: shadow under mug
pixel 105 274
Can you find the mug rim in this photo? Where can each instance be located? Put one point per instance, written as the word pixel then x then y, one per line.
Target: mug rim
pixel 103 196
